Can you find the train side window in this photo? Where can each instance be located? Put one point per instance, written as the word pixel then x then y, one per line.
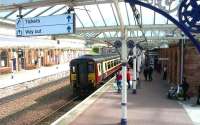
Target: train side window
pixel 108 65
pixel 115 62
pixel 99 67
pixel 90 68
pixel 105 66
pixel 112 63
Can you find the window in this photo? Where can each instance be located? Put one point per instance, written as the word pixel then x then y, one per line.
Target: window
pixel 115 62
pixel 99 67
pixel 90 68
pixel 112 63
pixel 109 66
pixel 73 69
pixel 3 58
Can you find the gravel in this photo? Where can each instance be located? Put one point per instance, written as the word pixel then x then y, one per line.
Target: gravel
pixel 27 109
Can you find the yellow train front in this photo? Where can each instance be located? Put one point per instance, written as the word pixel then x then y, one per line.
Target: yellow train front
pixel 88 72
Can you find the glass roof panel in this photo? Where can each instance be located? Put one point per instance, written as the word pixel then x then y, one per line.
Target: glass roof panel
pixel 147 16
pixel 113 34
pixel 155 33
pixel 136 33
pixel 162 33
pixel 107 14
pixel 119 34
pixel 129 34
pixel 148 33
pixel 25 11
pixel 3 14
pixel 115 12
pixel 78 23
pixel 36 12
pixel 13 16
pixel 61 11
pixel 107 34
pixel 123 12
pixel 160 19
pixel 174 14
pixel 130 14
pixel 82 14
pixel 55 8
pixel 95 15
pixel 139 33
pixel 100 35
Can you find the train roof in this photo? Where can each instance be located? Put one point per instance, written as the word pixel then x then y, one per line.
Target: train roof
pixel 96 58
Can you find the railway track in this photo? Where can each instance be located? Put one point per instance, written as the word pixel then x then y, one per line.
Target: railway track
pixel 27 107
pixel 29 91
pixel 48 119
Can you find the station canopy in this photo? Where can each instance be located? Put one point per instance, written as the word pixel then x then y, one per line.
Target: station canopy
pixel 99 20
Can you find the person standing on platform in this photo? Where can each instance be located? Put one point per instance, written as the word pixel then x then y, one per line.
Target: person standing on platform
pixel 128 78
pixel 145 72
pixel 185 87
pixel 150 72
pixel 165 72
pixel 119 80
pixel 198 97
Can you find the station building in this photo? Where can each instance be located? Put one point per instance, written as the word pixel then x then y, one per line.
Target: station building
pixel 34 53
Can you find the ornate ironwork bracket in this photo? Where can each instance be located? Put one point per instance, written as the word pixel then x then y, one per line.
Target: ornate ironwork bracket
pixel 180 25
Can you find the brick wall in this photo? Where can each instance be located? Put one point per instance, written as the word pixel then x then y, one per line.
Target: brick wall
pixel 192 67
pixel 173 62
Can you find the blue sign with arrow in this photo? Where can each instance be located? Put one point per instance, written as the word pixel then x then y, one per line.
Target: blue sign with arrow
pixel 46 25
pixel 69 18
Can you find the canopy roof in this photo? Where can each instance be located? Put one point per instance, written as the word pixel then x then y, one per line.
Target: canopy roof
pixel 99 20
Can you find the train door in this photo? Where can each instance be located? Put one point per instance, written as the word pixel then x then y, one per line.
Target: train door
pixel 82 73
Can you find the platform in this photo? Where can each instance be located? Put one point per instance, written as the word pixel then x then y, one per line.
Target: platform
pixel 28 75
pixel 28 79
pixel 148 107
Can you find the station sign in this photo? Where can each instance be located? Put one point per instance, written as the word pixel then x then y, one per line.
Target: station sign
pixel 46 25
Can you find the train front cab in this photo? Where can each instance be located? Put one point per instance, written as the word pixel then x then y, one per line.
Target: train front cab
pixel 82 76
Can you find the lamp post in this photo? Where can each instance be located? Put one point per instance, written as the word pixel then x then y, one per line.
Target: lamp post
pixel 123 46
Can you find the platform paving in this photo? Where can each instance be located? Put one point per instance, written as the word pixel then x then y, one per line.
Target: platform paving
pixel 148 107
pixel 28 75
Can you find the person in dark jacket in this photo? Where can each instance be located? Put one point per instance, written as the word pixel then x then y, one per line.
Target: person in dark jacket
pixel 145 72
pixel 198 97
pixel 185 87
pixel 150 72
pixel 165 72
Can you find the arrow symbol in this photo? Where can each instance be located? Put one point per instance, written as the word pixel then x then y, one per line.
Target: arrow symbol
pixel 69 28
pixel 69 18
pixel 18 23
pixel 19 33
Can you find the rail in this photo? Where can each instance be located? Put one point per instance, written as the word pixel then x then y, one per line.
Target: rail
pixel 81 107
pixel 45 118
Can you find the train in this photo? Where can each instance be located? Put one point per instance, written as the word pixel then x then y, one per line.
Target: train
pixel 88 72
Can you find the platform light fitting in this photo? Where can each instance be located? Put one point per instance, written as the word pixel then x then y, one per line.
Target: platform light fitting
pixel 117 44
pixel 130 44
